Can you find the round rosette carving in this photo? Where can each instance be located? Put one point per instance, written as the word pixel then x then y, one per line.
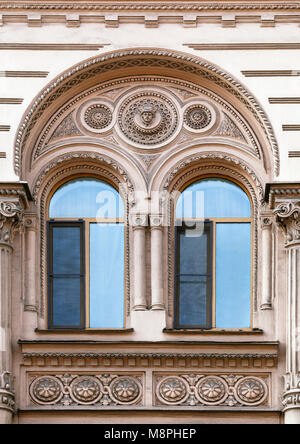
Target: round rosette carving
pixel 211 390
pixel 148 118
pixel 251 391
pixel 126 390
pixel 172 390
pixel 95 116
pixel 199 117
pixel 46 390
pixel 86 390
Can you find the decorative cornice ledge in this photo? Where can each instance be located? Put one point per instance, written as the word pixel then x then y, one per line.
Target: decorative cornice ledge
pixel 163 6
pixel 222 360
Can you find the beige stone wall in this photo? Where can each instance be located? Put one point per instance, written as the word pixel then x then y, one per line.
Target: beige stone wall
pixel 239 68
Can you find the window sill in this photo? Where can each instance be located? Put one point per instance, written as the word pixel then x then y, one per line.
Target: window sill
pixel 214 331
pixel 86 331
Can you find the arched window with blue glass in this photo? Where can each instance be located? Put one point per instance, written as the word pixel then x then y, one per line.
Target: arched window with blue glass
pixel 85 256
pixel 213 256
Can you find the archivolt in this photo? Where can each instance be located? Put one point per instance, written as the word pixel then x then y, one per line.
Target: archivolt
pixel 108 65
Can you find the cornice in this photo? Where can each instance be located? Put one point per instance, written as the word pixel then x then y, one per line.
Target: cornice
pixel 152 6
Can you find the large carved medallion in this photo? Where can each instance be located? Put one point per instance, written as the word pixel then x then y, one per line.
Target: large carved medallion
pixel 148 118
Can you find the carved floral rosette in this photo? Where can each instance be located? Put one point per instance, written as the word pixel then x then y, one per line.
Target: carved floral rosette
pixel 211 390
pixel 97 390
pixel 95 116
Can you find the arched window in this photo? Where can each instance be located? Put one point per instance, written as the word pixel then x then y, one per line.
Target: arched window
pixel 213 256
pixel 86 256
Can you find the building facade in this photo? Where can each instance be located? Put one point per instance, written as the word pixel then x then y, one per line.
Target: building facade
pixel 149 212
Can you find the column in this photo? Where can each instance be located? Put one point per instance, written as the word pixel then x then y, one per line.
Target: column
pixel 139 223
pixel 288 216
pixel 157 296
pixel 10 218
pixel 266 249
pixel 30 309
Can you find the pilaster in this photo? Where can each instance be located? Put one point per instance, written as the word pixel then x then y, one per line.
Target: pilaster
pixel 288 217
pixel 13 200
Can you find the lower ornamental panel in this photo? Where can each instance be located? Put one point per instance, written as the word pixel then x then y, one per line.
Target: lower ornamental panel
pixel 229 390
pixel 86 390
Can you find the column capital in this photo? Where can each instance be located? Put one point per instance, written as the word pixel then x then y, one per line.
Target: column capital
pixel 266 221
pixel 7 396
pixel 138 220
pixel 11 220
pixel 291 395
pixel 288 217
pixel 156 221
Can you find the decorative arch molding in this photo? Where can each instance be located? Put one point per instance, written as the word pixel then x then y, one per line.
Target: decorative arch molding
pixel 67 166
pixel 142 61
pixel 195 168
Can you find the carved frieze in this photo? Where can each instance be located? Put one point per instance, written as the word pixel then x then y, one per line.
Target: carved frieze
pixel 86 390
pixel 211 390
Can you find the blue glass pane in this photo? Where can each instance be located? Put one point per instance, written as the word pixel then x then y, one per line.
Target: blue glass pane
pixel 66 250
pixel 233 275
pixel 86 197
pixel 215 197
pixel 66 302
pixel 193 275
pixel 193 301
pixel 106 275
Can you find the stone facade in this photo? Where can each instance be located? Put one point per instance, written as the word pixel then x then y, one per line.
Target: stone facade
pixel 149 111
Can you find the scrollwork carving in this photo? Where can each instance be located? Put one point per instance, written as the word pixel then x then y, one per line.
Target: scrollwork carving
pixel 288 217
pixel 11 216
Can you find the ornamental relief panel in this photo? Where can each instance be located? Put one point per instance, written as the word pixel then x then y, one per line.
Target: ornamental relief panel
pixel 86 390
pixel 229 390
pixel 146 115
pixel 129 389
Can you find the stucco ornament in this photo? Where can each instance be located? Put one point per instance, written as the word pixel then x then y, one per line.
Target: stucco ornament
pixel 211 390
pixel 288 217
pixel 98 116
pixel 251 391
pixel 148 118
pixel 46 390
pixel 86 389
pixel 10 220
pixel 197 116
pixel 125 389
pixel 172 390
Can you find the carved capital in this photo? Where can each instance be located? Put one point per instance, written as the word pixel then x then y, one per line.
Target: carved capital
pixel 138 220
pixel 7 396
pixel 291 396
pixel 266 221
pixel 288 217
pixel 156 221
pixel 11 220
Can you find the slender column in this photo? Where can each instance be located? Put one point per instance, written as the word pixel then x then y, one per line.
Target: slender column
pixel 266 300
pixel 30 263
pixel 10 218
pixel 288 216
pixel 156 224
pixel 139 223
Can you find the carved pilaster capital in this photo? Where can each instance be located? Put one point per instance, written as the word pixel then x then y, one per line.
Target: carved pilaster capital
pixel 288 217
pixel 138 220
pixel 156 221
pixel 266 221
pixel 291 396
pixel 7 396
pixel 30 221
pixel 11 220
